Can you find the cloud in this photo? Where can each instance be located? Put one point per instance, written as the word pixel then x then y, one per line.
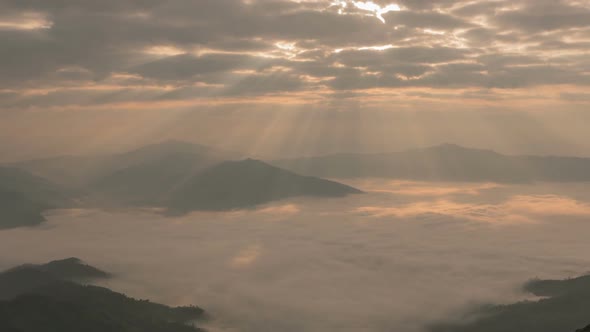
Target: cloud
pixel 320 268
pixel 544 15
pixel 447 56
pixel 426 189
pixel 580 97
pixel 517 209
pixel 246 257
pixel 115 37
pixel 378 10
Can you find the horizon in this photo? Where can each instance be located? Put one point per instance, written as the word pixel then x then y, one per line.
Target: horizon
pixel 242 155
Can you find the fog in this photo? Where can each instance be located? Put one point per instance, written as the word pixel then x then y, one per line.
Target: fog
pixel 398 258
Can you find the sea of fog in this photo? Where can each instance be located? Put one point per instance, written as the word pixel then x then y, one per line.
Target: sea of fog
pixel 397 258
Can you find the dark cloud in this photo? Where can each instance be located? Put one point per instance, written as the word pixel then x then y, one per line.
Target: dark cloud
pixel 187 66
pixel 479 8
pixel 544 15
pixel 441 43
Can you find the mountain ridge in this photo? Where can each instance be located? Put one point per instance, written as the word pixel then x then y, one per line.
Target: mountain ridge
pixel 78 171
pixel 445 162
pixel 271 183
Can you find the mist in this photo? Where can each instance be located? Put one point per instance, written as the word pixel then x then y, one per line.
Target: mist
pixel 398 258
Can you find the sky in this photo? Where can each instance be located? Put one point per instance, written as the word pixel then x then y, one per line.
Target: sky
pixel 292 77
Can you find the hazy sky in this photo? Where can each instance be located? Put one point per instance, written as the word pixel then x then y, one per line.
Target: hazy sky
pixel 294 76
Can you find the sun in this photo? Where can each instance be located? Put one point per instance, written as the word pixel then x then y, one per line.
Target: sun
pixel 375 9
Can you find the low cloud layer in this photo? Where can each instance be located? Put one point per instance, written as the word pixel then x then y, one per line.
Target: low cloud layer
pixel 324 265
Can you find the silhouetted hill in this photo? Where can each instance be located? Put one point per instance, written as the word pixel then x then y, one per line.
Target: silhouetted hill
pixel 45 302
pixel 246 183
pixel 22 278
pixel 36 313
pixel 69 269
pixel 16 210
pixel 586 329
pixel 80 171
pixel 549 288
pixel 24 197
pixel 566 309
pixel 446 162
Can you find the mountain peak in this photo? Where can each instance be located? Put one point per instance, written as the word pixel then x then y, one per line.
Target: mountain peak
pixel 247 183
pixel 454 148
pixel 172 146
pixel 245 165
pixel 450 146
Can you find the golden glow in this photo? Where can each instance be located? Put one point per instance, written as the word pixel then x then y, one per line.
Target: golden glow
pixel 518 209
pixel 165 50
pixel 26 21
pixel 369 6
pixel 376 9
pixel 246 257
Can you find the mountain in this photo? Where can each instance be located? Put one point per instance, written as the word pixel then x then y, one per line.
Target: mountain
pixel 149 182
pixel 564 307
pixel 24 197
pixel 586 329
pixel 31 186
pixel 247 183
pixel 81 171
pixel 67 269
pixel 16 210
pixel 549 288
pixel 182 177
pixel 446 162
pixel 20 279
pixel 43 301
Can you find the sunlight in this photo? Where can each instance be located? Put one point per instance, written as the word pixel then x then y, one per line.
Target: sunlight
pixel 340 3
pixel 246 257
pixel 164 50
pixel 25 21
pixel 376 48
pixel 369 6
pixel 517 209
pixel 375 8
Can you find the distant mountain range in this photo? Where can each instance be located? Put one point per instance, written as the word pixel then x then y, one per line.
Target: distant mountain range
pixel 239 184
pixel 45 297
pixel 80 171
pixel 447 162
pixel 183 177
pixel 179 176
